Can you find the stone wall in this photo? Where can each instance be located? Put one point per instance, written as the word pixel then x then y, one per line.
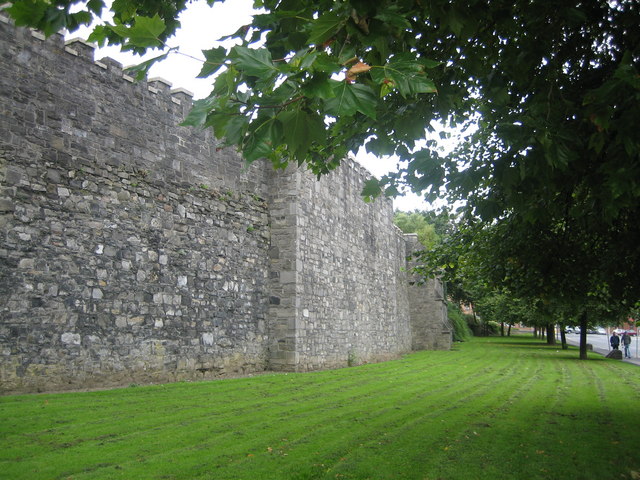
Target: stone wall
pixel 341 270
pixel 134 250
pixel 430 326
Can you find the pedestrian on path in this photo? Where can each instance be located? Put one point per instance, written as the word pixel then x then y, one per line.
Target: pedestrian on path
pixel 626 342
pixel 615 341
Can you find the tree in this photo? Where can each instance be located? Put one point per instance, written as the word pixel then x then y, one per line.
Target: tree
pixel 559 272
pixel 552 85
pixel 417 223
pixel 551 174
pixel 504 309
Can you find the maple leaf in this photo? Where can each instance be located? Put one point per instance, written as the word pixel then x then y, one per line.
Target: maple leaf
pixel 357 69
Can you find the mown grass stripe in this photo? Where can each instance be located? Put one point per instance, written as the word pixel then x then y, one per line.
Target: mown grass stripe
pixel 491 408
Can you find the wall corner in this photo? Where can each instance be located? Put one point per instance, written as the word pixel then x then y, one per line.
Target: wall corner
pixel 430 326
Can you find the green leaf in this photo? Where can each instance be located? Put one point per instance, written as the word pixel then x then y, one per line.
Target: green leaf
pixel 281 95
pixel 141 70
pixel 428 63
pixel 390 17
pixel 319 87
pixel 214 59
pixel 225 83
pixel 218 122
pixel 28 13
pixel 99 35
pixel 197 116
pixel 325 63
pixel 391 191
pixel 263 140
pixel 371 190
pixel 326 27
pixel 77 19
pixel 406 74
pixel 235 129
pixel 301 129
pixel 54 21
pixel 351 98
pixel 144 33
pixel 381 146
pixel 255 62
pixel 307 60
pixel 96 6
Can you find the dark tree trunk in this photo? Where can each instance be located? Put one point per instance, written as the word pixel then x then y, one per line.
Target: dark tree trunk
pixel 509 331
pixel 563 339
pixel 583 335
pixel 502 329
pixel 551 338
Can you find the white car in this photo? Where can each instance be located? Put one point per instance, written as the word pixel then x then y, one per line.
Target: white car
pixel 597 331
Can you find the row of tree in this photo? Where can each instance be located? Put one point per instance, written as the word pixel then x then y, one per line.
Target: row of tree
pixel 549 176
pixel 504 286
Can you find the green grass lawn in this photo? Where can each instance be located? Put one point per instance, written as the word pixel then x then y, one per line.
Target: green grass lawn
pixel 495 408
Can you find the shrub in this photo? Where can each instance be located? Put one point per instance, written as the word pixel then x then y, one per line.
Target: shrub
pixel 480 328
pixel 461 330
pixel 493 328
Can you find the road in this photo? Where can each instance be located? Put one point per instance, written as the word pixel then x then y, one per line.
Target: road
pixel 602 342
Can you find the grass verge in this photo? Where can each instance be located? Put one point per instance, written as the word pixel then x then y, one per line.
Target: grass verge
pixel 511 408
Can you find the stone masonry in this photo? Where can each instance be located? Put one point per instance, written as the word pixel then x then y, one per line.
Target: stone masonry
pixel 134 250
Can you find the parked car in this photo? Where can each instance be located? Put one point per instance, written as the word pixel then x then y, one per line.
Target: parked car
pixel 597 331
pixel 620 331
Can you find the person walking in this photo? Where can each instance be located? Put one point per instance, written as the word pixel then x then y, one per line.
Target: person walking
pixel 626 342
pixel 615 341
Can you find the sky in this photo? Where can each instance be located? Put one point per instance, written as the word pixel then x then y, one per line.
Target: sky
pixel 201 26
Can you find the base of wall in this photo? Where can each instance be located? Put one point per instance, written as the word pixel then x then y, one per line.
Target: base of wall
pixel 59 378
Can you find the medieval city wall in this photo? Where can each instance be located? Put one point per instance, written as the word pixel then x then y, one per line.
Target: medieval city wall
pixel 344 260
pixel 134 250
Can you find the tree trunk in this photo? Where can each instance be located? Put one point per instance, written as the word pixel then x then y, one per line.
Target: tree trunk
pixel 535 332
pixel 502 329
pixel 583 335
pixel 563 339
pixel 551 338
pixel 509 331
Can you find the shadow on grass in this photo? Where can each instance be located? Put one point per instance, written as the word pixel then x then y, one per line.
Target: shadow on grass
pixel 518 342
pixel 572 351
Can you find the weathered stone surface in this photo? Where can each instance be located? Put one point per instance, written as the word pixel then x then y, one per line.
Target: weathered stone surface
pixel 133 250
pixel 615 354
pixel 430 327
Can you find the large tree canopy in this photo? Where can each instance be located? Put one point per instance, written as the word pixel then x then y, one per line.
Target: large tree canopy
pixel 551 88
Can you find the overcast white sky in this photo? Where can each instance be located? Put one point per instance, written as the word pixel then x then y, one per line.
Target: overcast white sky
pixel 201 25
